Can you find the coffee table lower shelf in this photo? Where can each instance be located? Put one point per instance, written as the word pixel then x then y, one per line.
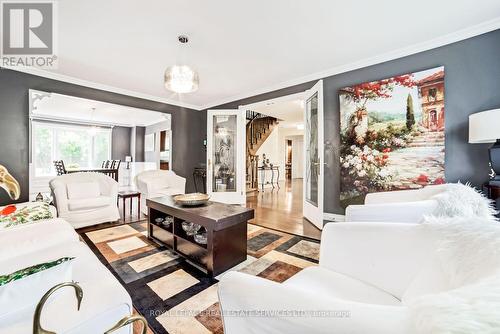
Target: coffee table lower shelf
pixel 225 248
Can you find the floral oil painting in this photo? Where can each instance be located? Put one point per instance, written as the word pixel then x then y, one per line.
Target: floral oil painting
pixel 392 134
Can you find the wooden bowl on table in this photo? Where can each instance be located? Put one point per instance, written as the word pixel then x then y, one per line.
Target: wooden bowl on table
pixel 193 199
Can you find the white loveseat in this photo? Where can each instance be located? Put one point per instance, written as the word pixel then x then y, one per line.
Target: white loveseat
pixel 157 183
pixel 85 199
pixel 104 302
pixel 404 206
pixel 367 276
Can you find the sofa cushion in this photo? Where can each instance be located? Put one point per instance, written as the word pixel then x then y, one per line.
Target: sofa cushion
pixel 21 240
pixel 83 190
pixel 334 285
pixel 89 203
pixel 25 286
pixel 431 279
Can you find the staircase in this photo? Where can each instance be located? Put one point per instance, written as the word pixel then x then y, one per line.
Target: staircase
pixel 258 129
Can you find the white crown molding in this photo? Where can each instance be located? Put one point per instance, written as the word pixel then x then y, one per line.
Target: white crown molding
pixel 403 52
pixel 95 85
pixel 399 53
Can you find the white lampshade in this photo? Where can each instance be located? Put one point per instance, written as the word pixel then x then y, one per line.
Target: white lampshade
pixel 181 79
pixel 484 127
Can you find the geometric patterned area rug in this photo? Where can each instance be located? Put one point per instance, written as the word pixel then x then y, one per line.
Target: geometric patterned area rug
pixel 173 295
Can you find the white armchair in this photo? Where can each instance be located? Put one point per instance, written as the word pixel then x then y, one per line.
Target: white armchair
pixel 365 273
pixel 404 206
pixel 85 199
pixel 157 183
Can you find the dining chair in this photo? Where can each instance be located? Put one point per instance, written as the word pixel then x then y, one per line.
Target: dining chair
pixel 59 165
pixel 115 164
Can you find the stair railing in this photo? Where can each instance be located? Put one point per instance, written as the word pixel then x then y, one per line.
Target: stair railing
pixel 257 126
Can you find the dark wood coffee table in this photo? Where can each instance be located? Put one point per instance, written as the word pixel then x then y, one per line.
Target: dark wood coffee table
pixel 226 227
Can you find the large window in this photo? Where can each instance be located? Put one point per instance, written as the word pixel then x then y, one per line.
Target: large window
pixel 78 146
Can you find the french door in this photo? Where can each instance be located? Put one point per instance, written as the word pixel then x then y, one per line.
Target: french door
pixel 314 155
pixel 226 149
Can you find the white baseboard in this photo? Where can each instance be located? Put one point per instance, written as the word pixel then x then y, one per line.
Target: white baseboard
pixel 333 217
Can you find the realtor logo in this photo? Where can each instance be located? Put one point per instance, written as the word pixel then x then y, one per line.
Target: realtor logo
pixel 28 34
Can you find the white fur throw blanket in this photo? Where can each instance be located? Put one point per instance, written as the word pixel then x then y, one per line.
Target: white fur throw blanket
pixel 462 200
pixel 469 252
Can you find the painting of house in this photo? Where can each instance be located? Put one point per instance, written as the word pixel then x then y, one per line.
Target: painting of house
pixel 431 93
pixel 392 134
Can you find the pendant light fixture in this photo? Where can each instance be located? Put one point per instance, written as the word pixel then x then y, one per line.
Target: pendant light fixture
pixel 181 78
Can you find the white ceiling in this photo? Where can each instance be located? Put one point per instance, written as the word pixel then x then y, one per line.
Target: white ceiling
pixel 290 113
pixel 242 48
pixel 75 109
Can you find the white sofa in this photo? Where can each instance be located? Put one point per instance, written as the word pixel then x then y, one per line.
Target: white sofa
pixel 85 199
pixel 367 273
pixel 157 183
pixel 104 302
pixel 404 206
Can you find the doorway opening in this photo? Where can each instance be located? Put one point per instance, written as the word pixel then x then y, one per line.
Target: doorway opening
pixel 275 164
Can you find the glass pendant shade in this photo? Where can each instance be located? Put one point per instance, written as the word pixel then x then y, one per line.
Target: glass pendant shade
pixel 181 79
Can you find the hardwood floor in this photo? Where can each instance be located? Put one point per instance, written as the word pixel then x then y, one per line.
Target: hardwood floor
pixel 281 209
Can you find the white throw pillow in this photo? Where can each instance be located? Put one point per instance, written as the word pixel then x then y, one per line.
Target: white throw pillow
pixel 468 248
pixel 83 190
pixel 27 291
pixel 462 200
pixel 470 309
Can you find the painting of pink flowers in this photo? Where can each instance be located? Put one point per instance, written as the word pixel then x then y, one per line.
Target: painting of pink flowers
pixel 392 134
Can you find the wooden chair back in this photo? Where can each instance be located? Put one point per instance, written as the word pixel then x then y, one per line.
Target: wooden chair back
pixel 60 169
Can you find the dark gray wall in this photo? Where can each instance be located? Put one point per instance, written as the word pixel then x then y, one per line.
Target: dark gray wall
pixel 120 142
pixel 472 84
pixel 140 131
pixel 14 146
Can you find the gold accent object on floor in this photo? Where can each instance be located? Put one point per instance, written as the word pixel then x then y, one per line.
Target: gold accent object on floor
pixel 37 328
pixel 127 321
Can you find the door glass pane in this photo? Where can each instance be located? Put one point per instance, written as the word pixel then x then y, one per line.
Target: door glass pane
pixel 312 154
pixel 224 153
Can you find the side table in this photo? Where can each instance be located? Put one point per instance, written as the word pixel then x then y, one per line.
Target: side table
pixel 130 194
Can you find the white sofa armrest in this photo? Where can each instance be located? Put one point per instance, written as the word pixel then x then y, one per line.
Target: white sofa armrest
pixel 388 256
pixel 391 197
pixel 410 195
pixel 408 212
pixel 60 195
pixel 142 185
pixel 252 304
pixel 177 182
pixel 108 187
